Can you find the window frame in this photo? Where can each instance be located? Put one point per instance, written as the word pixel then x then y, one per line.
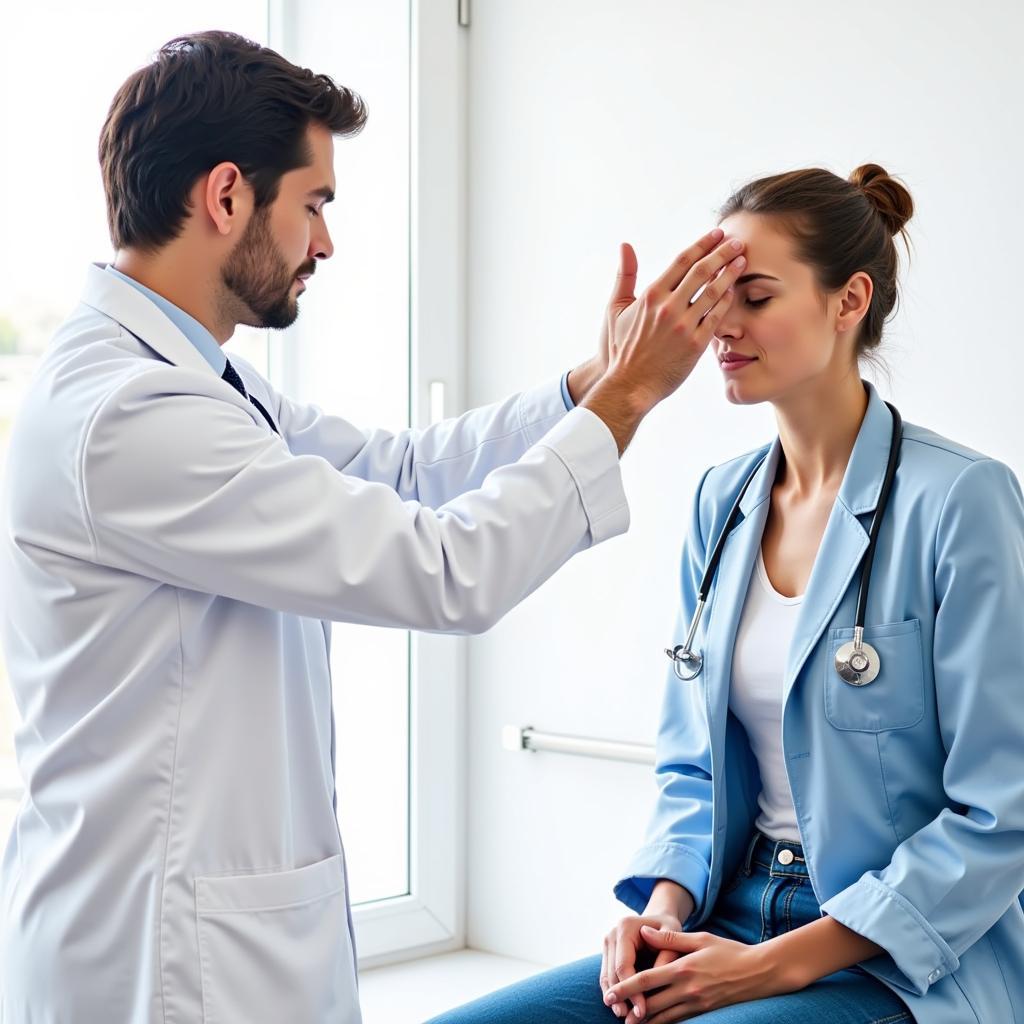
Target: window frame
pixel 430 918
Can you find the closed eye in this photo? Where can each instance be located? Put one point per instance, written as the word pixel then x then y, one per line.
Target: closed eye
pixel 757 303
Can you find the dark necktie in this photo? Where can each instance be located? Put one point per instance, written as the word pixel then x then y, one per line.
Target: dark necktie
pixel 230 375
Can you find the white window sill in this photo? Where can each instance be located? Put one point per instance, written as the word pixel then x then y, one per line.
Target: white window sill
pixel 414 991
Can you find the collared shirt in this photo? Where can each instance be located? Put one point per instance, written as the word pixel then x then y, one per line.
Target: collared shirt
pixel 196 333
pixel 207 344
pixel 566 397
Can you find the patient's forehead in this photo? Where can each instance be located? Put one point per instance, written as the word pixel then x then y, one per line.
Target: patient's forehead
pixel 770 249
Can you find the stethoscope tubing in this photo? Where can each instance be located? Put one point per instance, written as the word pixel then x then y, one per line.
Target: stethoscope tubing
pixel 684 654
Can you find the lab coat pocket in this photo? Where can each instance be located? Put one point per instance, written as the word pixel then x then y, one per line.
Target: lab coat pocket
pixel 276 947
pixel 895 700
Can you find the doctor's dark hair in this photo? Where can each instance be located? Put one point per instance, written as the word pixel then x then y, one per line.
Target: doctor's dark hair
pixel 840 227
pixel 208 98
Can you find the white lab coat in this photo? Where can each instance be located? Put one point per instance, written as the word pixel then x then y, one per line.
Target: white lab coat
pixel 169 569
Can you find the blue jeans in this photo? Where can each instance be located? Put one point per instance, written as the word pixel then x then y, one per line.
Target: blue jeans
pixel 766 898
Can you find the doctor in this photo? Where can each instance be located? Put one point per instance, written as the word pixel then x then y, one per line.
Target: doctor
pixel 178 537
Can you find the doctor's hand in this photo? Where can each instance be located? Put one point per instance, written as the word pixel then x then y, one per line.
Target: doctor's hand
pixel 620 312
pixel 709 972
pixel 654 341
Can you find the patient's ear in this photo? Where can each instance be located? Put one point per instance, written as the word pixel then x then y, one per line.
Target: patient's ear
pixel 854 301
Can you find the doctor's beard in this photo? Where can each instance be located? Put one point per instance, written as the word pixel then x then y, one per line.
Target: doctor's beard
pixel 258 275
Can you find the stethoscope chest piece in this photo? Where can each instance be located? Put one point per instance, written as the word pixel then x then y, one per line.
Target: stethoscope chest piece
pixel 857 662
pixel 686 663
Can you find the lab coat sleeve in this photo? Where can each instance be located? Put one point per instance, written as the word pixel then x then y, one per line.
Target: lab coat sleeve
pixel 434 464
pixel 678 841
pixel 183 487
pixel 947 884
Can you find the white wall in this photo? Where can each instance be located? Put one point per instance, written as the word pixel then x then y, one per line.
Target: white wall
pixel 595 121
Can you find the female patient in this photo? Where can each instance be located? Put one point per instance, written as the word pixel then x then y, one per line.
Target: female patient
pixel 822 851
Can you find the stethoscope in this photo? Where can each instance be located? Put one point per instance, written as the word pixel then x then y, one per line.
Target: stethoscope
pixel 856 662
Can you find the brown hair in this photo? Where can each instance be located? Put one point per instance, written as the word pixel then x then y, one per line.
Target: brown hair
pixel 840 227
pixel 209 98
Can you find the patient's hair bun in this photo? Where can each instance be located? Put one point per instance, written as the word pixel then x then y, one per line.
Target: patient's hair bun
pixel 886 194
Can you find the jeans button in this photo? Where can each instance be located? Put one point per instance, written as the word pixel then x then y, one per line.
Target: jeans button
pixel 785 857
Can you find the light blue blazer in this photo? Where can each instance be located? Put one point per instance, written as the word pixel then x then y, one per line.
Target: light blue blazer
pixel 909 792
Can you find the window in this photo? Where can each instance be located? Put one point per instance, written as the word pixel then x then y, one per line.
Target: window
pixel 349 353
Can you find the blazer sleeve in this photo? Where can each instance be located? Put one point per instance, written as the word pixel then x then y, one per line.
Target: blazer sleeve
pixel 951 881
pixel 431 465
pixel 185 488
pixel 678 841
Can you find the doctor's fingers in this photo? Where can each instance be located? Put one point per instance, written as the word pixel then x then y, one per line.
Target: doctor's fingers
pixel 685 262
pixel 624 291
pixel 714 291
pixel 706 270
pixel 712 318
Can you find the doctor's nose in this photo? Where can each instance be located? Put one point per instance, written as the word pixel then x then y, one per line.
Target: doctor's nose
pixel 320 245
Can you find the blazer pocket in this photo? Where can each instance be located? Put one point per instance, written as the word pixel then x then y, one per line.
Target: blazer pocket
pixel 276 947
pixel 895 700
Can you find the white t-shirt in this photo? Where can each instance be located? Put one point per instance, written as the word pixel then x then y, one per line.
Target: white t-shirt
pixel 755 695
